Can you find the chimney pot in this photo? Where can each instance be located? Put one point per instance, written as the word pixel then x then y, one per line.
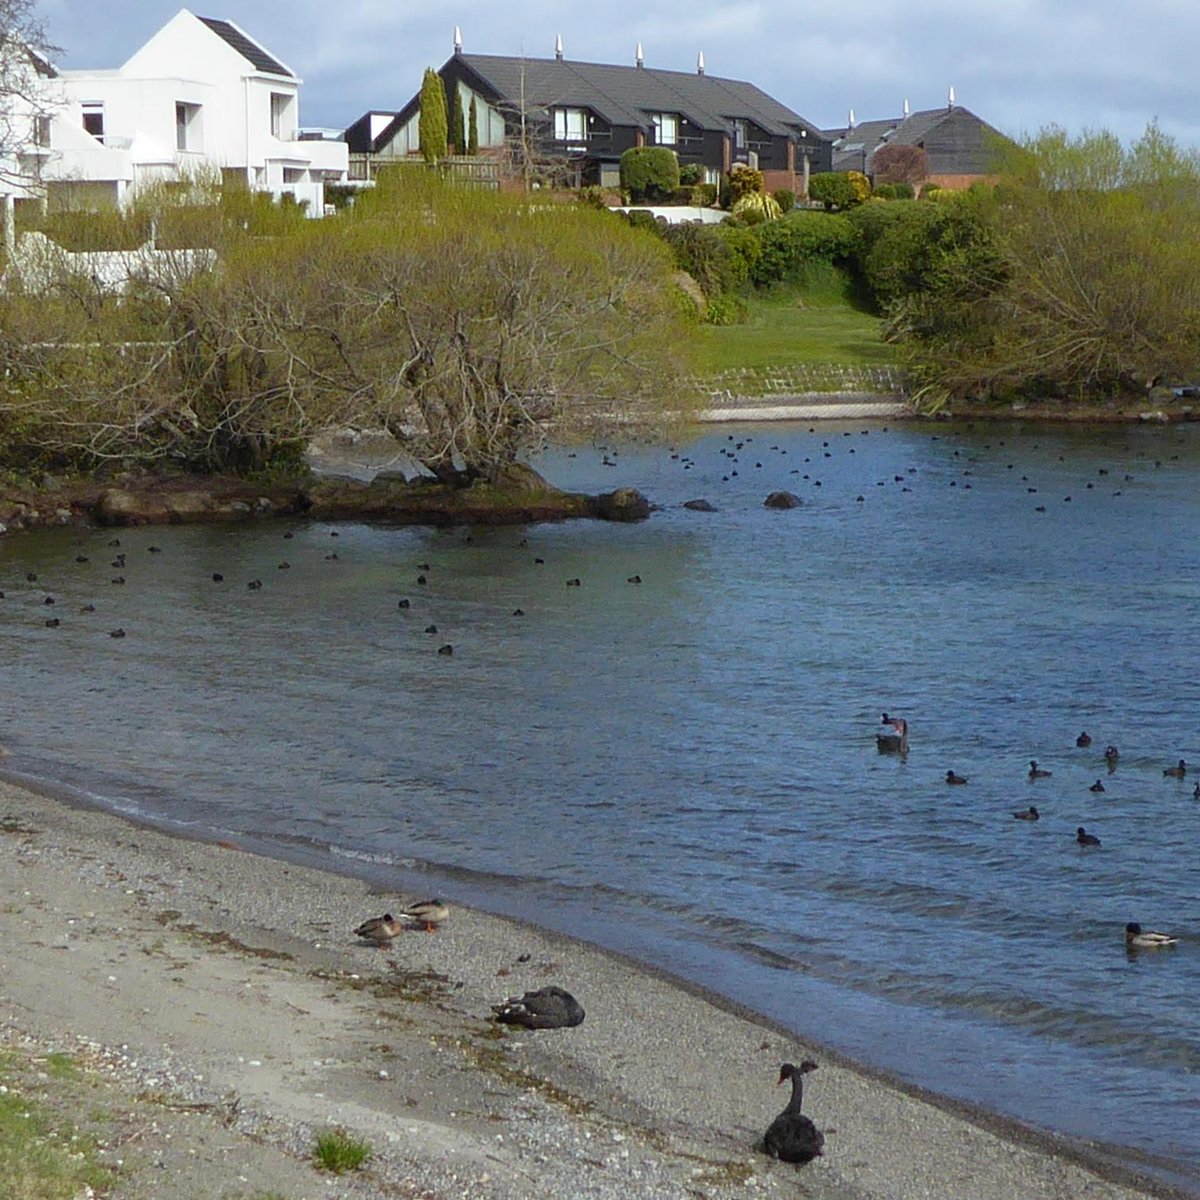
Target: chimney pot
pixel 638 58
pixel 700 63
pixel 558 50
pixel 457 40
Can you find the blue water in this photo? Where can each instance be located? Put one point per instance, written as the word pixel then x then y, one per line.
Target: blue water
pixel 685 769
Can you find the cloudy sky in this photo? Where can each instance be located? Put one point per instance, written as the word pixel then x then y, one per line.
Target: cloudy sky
pixel 1019 64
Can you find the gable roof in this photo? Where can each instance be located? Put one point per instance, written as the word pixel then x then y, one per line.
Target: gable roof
pixel 629 95
pixel 247 47
pixel 854 147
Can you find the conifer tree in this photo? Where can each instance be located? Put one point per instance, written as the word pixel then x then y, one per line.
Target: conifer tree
pixel 473 134
pixel 431 126
pixel 456 123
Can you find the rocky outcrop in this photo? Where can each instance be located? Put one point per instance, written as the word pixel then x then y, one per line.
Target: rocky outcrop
pixel 782 500
pixel 700 505
pixel 625 504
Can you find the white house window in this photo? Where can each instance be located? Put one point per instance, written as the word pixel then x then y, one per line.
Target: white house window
pixel 280 116
pixel 187 126
pixel 739 134
pixel 41 131
pixel 666 129
pixel 570 125
pixel 93 120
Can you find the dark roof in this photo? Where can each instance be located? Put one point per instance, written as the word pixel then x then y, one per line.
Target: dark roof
pixel 850 145
pixel 358 136
pixel 249 49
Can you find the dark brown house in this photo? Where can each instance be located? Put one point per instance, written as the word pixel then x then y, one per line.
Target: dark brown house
pixel 584 116
pixel 959 147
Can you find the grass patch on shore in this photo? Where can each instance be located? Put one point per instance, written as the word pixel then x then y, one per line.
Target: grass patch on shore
pixel 811 323
pixel 336 1151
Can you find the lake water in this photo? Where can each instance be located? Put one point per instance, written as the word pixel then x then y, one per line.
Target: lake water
pixel 684 768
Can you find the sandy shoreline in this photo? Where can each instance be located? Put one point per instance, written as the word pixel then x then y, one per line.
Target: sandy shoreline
pixel 228 986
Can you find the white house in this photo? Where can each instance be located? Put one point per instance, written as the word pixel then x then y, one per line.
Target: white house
pixel 200 98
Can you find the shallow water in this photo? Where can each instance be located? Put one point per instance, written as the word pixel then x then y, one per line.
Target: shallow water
pixel 685 768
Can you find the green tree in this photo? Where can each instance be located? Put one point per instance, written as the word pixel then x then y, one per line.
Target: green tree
pixel 473 133
pixel 649 173
pixel 431 126
pixel 457 131
pixel 467 323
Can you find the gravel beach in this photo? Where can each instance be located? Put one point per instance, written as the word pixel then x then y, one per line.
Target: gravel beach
pixel 219 1003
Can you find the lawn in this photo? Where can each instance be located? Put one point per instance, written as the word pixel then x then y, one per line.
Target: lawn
pixel 818 323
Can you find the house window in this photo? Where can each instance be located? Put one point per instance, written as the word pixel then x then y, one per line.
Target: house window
pixel 281 126
pixel 666 129
pixel 93 120
pixel 41 131
pixel 187 127
pixel 739 134
pixel 570 125
pixel 293 175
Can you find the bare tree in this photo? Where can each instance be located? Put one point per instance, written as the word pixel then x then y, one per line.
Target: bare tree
pixel 25 103
pixel 900 163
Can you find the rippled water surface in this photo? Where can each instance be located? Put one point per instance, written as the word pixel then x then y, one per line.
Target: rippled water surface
pixel 685 768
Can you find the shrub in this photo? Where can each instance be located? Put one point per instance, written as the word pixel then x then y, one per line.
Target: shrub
pixel 746 248
pixel 592 197
pixel 861 185
pixel 744 181
pixel 786 199
pixel 700 251
pixel 640 218
pixel 683 195
pixel 833 189
pixel 338 1152
pixel 930 191
pixel 649 173
pixel 788 246
pixel 894 191
pixel 726 310
pixel 757 206
pixel 705 194
pixel 691 174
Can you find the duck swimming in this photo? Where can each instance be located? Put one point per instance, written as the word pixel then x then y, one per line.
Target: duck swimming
pixel 1176 772
pixel 1096 787
pixel 1146 939
pixel 1086 839
pixel 951 777
pixel 1111 754
pixel 792 1137
pixel 1083 741
pixel 1035 772
pixel 1030 814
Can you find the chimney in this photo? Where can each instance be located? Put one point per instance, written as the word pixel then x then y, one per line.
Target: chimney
pixel 700 63
pixel 457 40
pixel 638 58
pixel 906 109
pixel 851 122
pixel 950 97
pixel 558 48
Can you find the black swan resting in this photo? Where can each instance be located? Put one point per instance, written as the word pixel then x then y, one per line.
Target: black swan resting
pixel 547 1008
pixel 792 1137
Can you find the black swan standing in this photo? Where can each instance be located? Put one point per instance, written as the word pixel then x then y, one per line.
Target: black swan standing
pixel 792 1137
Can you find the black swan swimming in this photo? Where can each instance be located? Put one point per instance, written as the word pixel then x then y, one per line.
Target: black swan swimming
pixel 792 1137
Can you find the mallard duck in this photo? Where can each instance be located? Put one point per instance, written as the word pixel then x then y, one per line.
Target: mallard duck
pixel 380 930
pixel 1086 839
pixel 429 914
pixel 1030 814
pixel 792 1137
pixel 1146 939
pixel 1083 741
pixel 547 1008
pixel 1096 787
pixel 1176 772
pixel 951 777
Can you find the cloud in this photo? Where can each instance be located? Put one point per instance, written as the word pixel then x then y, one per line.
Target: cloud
pixel 1019 64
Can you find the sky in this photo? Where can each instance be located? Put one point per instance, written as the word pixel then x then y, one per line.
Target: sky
pixel 1018 64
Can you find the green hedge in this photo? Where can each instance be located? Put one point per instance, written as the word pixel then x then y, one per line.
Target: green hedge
pixel 789 245
pixel 649 173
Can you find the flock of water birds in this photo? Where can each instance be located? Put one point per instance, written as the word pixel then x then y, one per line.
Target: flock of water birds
pixel 893 739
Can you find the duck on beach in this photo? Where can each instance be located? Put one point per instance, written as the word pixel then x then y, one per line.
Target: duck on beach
pixel 429 914
pixel 1030 814
pixel 792 1137
pixel 1147 939
pixel 1035 772
pixel 379 930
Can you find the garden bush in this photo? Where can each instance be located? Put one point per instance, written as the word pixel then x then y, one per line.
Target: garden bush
pixel 649 173
pixel 786 199
pixel 788 246
pixel 700 251
pixel 833 189
pixel 691 174
pixel 744 181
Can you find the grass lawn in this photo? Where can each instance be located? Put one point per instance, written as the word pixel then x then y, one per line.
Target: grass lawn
pixel 816 323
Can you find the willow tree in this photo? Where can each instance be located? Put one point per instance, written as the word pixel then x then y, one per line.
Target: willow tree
pixel 466 323
pixel 431 125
